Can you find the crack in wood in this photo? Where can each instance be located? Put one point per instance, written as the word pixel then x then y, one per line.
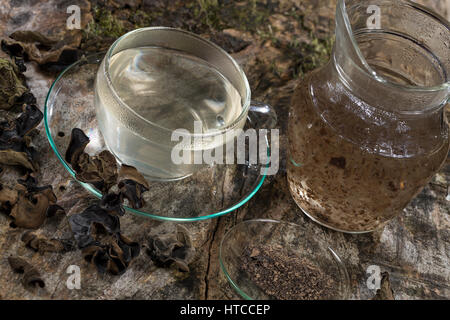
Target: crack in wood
pixel 206 280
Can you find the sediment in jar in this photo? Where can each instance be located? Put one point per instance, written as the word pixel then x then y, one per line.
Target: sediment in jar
pixel 342 185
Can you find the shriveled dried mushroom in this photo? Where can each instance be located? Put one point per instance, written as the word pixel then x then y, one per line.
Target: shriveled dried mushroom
pixel 132 184
pixel 42 244
pixel 18 128
pixel 12 87
pixel 31 277
pixel 20 63
pixel 18 153
pixel 8 198
pixel 99 170
pixel 32 204
pixel 98 234
pixel 84 224
pixel 77 144
pixel 171 249
pixel 28 119
pixel 113 255
pixel 55 209
pixel 44 50
pixel 112 203
pixel 15 146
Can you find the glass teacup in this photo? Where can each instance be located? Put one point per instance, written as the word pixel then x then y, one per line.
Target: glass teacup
pixel 155 81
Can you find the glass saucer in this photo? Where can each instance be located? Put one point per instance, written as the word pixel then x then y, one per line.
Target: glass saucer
pixel 299 243
pixel 211 192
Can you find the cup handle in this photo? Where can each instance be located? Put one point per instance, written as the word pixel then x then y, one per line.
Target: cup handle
pixel 261 115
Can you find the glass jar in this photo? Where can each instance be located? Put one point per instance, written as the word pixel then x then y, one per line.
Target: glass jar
pixel 368 131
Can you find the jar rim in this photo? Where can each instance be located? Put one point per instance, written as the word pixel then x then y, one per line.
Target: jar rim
pixel 368 70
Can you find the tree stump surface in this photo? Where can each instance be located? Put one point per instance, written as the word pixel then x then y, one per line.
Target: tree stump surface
pixel 413 248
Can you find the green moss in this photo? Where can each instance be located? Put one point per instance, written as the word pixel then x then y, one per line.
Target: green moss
pixel 245 16
pixel 208 12
pixel 268 34
pixel 104 24
pixel 313 54
pixel 251 16
pixel 141 19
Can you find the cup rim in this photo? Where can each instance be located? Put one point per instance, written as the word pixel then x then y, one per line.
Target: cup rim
pixel 368 70
pixel 211 133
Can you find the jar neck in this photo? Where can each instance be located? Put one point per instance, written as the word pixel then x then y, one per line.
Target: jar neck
pixel 348 110
pixel 394 67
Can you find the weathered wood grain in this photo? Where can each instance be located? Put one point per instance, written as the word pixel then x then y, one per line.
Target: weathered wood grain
pixel 414 248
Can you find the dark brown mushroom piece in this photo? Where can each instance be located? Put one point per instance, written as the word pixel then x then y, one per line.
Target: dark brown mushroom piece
pixel 112 255
pixel 132 185
pixel 15 141
pixel 166 250
pixel 99 170
pixel 112 203
pixel 12 85
pixel 28 119
pixel 48 52
pixel 98 235
pixel 18 128
pixel 20 63
pixel 30 211
pixel 77 144
pixel 32 205
pixel 31 277
pixel 85 225
pixel 42 244
pixel 18 153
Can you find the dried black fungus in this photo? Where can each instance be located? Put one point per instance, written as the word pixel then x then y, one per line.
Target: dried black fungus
pixel 42 244
pixel 31 277
pixel 166 250
pixel 20 63
pixel 98 235
pixel 49 52
pixel 77 144
pixel 15 141
pixel 97 228
pixel 228 42
pixel 84 225
pixel 8 198
pixel 112 203
pixel 32 205
pixel 18 153
pixel 55 209
pixel 113 255
pixel 28 120
pixel 132 184
pixel 99 170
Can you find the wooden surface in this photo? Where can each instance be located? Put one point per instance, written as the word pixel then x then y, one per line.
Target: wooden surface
pixel 414 247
